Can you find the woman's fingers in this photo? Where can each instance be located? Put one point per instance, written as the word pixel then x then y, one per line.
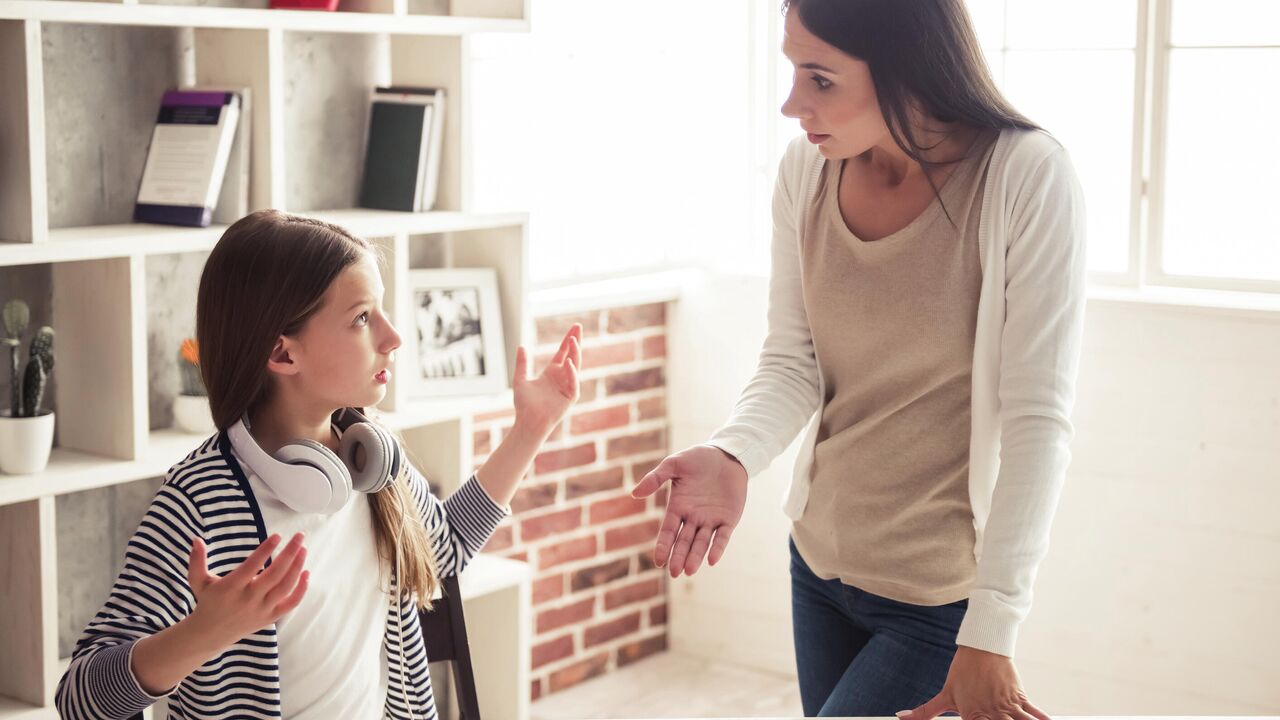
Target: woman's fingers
pixel 701 541
pixel 654 479
pixel 721 541
pixel 1034 711
pixel 666 538
pixel 680 551
pixel 252 564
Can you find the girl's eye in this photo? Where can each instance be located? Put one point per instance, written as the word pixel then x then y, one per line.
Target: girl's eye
pixel 364 316
pixel 821 82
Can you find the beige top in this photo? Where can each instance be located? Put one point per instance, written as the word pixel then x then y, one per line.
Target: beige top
pixel 893 324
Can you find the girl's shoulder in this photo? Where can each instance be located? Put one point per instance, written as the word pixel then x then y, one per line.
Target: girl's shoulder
pixel 207 467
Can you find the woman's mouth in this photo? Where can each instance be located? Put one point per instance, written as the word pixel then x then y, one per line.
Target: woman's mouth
pixel 817 139
pixel 382 377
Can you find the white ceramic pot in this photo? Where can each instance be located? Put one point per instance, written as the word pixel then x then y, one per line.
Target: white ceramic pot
pixel 191 414
pixel 25 443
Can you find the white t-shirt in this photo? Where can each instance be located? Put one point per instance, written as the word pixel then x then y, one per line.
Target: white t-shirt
pixel 332 660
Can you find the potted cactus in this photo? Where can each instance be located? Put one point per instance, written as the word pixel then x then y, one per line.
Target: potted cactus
pixel 26 430
pixel 191 407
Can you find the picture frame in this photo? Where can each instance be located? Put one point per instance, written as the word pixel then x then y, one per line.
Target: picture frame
pixel 455 338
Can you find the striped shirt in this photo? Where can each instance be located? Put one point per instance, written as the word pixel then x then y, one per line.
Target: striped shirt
pixel 208 495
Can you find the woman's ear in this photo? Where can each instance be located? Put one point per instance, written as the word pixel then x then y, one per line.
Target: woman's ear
pixel 283 360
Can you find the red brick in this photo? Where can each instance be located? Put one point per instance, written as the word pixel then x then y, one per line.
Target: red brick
pixel 603 419
pixel 604 632
pixel 579 485
pixel 578 672
pixel 655 347
pixel 483 443
pixel 638 534
pixel 635 381
pixel 651 441
pixel 658 615
pixel 632 652
pixel 604 355
pixel 642 468
pixel 566 551
pixel 532 497
pixel 633 593
pixel 536 528
pixel 606 510
pixel 551 330
pixel 599 575
pixel 552 650
pixel 644 561
pixel 571 614
pixel 652 408
pixel 503 538
pixel 560 459
pixel 548 588
pixel 588 390
pixel 640 316
pixel 535 690
pixel 522 556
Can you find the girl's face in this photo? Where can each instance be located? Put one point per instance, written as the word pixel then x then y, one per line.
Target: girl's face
pixel 832 95
pixel 343 353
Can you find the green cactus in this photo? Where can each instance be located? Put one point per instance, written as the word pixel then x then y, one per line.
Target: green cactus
pixel 16 318
pixel 39 365
pixel 17 315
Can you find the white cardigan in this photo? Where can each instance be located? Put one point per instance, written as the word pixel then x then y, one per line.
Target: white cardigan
pixel 1031 239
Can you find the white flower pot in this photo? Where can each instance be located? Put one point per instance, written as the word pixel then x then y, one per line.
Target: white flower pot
pixel 25 443
pixel 191 414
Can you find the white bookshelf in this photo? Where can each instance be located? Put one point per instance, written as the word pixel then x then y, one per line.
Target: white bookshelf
pixel 97 271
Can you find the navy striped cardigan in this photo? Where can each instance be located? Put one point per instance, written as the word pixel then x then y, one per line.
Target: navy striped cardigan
pixel 208 495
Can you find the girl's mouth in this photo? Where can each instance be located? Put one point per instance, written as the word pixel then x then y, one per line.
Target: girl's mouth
pixel 382 377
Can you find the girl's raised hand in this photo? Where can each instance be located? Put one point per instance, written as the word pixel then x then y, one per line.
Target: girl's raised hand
pixel 542 402
pixel 248 598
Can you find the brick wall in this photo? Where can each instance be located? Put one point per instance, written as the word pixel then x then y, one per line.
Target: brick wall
pixel 598 601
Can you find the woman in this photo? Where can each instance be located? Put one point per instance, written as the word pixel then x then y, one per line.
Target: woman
pixel 925 313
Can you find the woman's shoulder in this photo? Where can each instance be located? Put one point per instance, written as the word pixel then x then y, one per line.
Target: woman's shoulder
pixel 1025 150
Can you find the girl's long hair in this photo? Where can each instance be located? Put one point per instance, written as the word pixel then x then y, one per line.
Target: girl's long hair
pixel 266 277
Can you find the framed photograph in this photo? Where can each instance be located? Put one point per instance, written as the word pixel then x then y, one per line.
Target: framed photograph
pixel 456 342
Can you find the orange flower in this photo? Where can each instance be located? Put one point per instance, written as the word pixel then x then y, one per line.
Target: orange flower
pixel 191 351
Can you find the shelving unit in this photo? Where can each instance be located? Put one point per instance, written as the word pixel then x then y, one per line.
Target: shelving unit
pixel 73 144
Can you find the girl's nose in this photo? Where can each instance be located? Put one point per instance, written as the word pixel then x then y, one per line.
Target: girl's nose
pixel 392 340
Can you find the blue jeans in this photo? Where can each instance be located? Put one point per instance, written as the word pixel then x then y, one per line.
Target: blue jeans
pixel 863 655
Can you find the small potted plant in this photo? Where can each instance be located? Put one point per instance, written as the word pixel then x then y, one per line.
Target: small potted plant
pixel 26 431
pixel 191 407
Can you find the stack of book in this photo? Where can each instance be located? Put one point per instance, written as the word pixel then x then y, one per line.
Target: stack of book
pixel 402 156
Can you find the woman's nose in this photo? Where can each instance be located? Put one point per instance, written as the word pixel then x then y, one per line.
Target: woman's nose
pixel 791 107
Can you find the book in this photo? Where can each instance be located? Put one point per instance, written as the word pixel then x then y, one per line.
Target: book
pixel 402 154
pixel 233 197
pixel 187 158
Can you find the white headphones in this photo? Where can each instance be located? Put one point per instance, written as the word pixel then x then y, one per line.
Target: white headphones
pixel 309 477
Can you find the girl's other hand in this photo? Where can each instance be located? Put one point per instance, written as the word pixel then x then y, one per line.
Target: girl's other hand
pixel 542 402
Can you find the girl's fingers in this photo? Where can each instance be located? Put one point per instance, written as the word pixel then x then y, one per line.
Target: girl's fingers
pixel 563 350
pixel 252 564
pixel 575 352
pixel 280 565
pixel 522 364
pixel 278 588
pixel 197 565
pixel 295 597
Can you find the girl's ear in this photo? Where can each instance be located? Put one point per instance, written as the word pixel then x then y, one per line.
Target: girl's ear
pixel 282 359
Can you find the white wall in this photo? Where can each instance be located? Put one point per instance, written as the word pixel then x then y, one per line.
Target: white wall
pixel 1158 595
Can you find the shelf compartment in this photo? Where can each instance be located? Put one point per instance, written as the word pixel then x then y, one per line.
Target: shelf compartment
pixel 23 212
pixel 97 13
pixel 28 632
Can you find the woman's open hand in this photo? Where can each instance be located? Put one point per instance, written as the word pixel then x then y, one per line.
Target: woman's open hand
pixel 708 492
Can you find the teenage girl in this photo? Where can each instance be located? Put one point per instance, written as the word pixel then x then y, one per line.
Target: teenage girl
pixel 278 570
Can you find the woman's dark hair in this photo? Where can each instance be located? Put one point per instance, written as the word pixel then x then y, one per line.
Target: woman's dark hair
pixel 918 51
pixel 267 277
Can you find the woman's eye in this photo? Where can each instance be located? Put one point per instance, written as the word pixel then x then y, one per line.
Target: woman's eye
pixel 821 82
pixel 363 317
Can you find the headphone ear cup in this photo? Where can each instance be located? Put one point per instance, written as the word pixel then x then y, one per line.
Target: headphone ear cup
pixel 310 452
pixel 381 457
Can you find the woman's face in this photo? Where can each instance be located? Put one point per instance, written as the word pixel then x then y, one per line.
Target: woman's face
pixel 348 341
pixel 832 94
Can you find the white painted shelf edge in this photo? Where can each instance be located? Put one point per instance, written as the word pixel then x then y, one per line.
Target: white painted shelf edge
pixel 74 11
pixel 96 242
